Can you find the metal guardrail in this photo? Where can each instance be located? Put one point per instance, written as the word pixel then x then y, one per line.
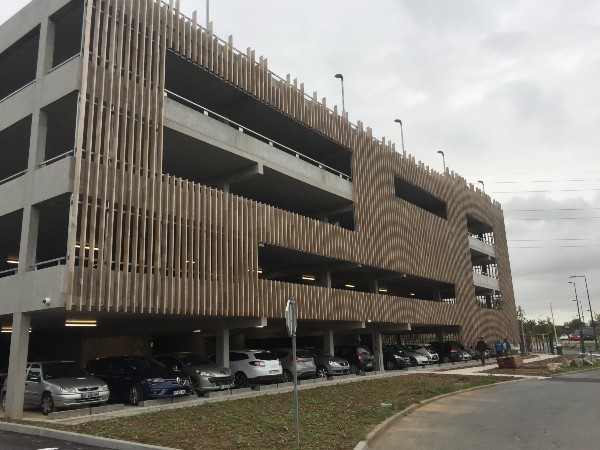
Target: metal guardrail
pixel 18 90
pixel 66 61
pixel 258 136
pixel 12 177
pixel 56 158
pixel 49 262
pixel 8 271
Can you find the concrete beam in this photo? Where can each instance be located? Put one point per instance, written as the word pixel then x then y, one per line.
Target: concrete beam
pixel 237 176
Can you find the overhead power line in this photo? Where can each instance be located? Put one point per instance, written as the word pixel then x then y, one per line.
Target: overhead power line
pixel 553 239
pixel 561 246
pixel 550 209
pixel 544 190
pixel 541 181
pixel 553 218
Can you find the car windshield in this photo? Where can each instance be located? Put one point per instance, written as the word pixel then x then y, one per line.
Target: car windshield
pixel 55 370
pixel 139 363
pixel 362 349
pixel 303 354
pixel 265 356
pixel 404 348
pixel 196 360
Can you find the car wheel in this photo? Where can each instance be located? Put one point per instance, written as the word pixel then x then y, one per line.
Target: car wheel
pixel 389 365
pixel 240 380
pixel 47 404
pixel 446 359
pixel 413 362
pixel 287 376
pixel 135 394
pixel 322 372
pixel 195 386
pixel 353 369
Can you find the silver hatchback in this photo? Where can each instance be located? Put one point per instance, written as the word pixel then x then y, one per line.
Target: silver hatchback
pixel 60 384
pixel 305 363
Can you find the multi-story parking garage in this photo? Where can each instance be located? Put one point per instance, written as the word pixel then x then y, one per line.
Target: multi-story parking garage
pixel 160 189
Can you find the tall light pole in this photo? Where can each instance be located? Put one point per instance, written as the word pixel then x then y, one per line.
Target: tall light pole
pixel 580 321
pixel 401 132
pixel 443 159
pixel 592 323
pixel 521 316
pixel 341 77
pixel 482 186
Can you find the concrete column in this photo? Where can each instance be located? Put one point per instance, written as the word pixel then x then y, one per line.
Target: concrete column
pixel 223 347
pixel 29 234
pixel 326 279
pixel 19 345
pixel 46 48
pixel 328 344
pixel 377 349
pixel 440 336
pixel 373 286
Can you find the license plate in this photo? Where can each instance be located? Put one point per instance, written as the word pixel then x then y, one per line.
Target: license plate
pixel 224 386
pixel 182 392
pixel 90 395
pixel 273 372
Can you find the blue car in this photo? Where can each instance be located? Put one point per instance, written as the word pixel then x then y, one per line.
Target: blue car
pixel 137 378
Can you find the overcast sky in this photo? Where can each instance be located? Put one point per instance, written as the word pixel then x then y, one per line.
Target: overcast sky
pixel 508 90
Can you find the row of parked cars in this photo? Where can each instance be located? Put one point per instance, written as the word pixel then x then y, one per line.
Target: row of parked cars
pixel 60 384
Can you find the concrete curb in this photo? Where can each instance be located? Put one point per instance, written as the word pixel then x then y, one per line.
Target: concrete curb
pixel 112 444
pixel 383 426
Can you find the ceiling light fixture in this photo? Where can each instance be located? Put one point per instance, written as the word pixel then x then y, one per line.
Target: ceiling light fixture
pixel 80 323
pixel 382 290
pixel 12 261
pixel 309 277
pixel 8 329
pixel 197 331
pixel 351 286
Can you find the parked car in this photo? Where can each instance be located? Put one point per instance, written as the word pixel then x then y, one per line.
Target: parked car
pixel 327 364
pixel 305 363
pixel 450 351
pixel 426 350
pixel 588 335
pixel 564 337
pixel 359 357
pixel 60 384
pixel 136 378
pixel 394 358
pixel 250 366
pixel 416 358
pixel 574 337
pixel 204 375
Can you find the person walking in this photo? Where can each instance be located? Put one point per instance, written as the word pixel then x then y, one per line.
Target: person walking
pixel 481 346
pixel 507 347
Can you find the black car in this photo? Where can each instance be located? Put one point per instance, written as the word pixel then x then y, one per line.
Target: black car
pixel 394 358
pixel 450 351
pixel 136 378
pixel 359 357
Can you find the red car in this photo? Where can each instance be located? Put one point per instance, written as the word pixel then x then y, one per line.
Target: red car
pixel 573 337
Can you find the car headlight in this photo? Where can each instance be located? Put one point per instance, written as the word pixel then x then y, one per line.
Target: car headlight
pixel 68 390
pixel 334 363
pixel 155 380
pixel 397 356
pixel 206 374
pixel 104 387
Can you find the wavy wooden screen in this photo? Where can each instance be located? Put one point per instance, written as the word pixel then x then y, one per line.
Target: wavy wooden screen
pixel 153 243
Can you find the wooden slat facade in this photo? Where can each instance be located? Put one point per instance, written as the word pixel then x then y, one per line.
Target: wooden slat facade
pixel 149 242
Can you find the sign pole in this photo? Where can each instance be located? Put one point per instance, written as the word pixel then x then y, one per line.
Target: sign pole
pixel 291 321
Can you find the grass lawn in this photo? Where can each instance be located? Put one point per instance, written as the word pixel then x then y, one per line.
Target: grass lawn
pixel 540 368
pixel 331 417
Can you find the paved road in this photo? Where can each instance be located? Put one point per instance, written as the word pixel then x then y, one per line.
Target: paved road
pixel 19 441
pixel 555 413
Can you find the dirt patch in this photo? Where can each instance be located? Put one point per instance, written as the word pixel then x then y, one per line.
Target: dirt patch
pixel 533 368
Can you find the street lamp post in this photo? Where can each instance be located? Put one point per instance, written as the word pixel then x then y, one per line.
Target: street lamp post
pixel 401 132
pixel 580 321
pixel 443 159
pixel 341 77
pixel 592 323
pixel 482 186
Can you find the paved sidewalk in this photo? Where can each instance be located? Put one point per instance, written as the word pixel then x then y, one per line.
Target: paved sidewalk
pixel 480 370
